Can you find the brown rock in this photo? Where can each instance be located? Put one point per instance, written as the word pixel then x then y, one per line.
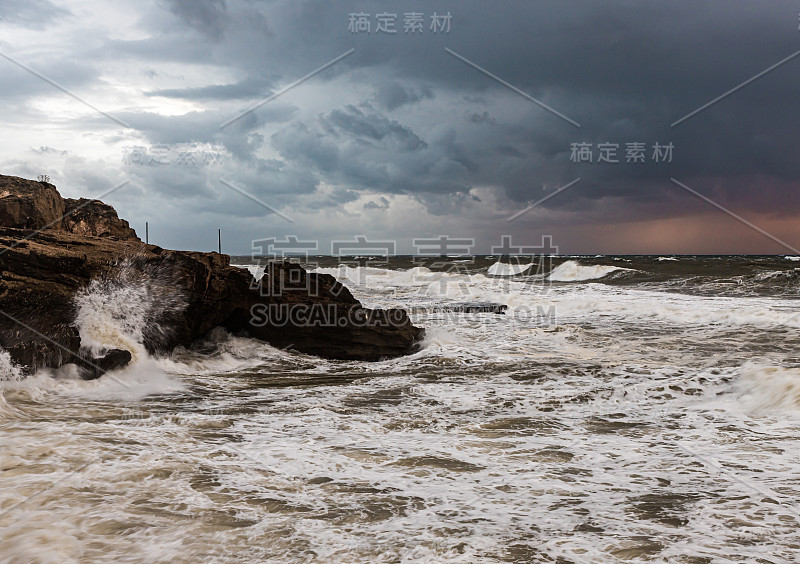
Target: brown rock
pixel 26 204
pixel 179 296
pixel 96 219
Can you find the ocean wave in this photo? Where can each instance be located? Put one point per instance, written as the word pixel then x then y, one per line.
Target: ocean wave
pixel 417 276
pixel 503 269
pixel 115 313
pixel 573 271
pixel 661 259
pixel 778 275
pixel 770 388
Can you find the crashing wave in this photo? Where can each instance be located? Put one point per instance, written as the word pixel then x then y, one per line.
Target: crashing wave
pixel 120 312
pixel 573 271
pixel 9 372
pixel 503 269
pixel 770 388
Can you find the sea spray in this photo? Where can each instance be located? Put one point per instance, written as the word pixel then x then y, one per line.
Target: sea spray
pixel 9 372
pixel 123 311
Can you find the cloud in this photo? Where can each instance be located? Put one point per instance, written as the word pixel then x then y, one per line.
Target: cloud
pixel 381 204
pixel 401 119
pixel 392 95
pixel 33 14
pixel 209 17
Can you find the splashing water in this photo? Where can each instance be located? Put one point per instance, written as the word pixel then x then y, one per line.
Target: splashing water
pixel 9 372
pixel 120 312
pixel 647 421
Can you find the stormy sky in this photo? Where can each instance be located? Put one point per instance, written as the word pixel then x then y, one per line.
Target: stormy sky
pixel 421 133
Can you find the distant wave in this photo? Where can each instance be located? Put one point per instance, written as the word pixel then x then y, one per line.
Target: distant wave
pixel 573 271
pixel 792 258
pixel 503 269
pixel 666 258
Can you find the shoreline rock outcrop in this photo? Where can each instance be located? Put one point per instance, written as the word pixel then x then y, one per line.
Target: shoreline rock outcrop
pixel 90 257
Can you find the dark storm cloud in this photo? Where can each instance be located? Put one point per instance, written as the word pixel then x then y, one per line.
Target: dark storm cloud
pixel 371 152
pixel 245 89
pixel 373 127
pixel 392 95
pixel 624 71
pixel 420 122
pixel 207 16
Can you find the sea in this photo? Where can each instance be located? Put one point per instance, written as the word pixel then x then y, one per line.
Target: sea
pixel 620 409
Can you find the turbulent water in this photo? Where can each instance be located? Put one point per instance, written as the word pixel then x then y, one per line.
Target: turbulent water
pixel 623 409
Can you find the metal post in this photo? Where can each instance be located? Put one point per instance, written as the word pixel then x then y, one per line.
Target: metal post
pixel 219 234
pixel 146 233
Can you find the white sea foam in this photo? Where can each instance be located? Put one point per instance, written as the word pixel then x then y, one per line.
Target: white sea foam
pixel 503 269
pixel 792 258
pixel 255 269
pixel 573 271
pixel 601 303
pixel 666 258
pixel 117 313
pixel 766 389
pixel 9 372
pixel 112 315
pixel 499 440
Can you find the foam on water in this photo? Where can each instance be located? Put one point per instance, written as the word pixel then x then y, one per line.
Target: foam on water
pixel 634 426
pixel 607 304
pixel 573 271
pixel 111 313
pixel 770 389
pixel 503 269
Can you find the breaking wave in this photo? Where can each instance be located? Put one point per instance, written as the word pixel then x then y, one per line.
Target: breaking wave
pixel 573 271
pixel 122 312
pixel 770 388
pixel 503 269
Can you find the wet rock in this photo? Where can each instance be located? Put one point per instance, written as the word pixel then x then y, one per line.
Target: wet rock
pixel 93 368
pixel 186 294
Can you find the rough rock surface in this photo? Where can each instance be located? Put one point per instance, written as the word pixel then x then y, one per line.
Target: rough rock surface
pixel 179 295
pixel 26 204
pixel 93 217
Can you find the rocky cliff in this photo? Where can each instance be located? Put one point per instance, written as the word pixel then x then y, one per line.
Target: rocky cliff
pixel 93 217
pixel 48 275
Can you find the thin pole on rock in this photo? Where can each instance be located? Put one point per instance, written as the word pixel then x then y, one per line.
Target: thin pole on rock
pixel 219 234
pixel 146 233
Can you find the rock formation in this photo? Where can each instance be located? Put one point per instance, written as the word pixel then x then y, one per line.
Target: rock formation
pixel 179 295
pixel 93 217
